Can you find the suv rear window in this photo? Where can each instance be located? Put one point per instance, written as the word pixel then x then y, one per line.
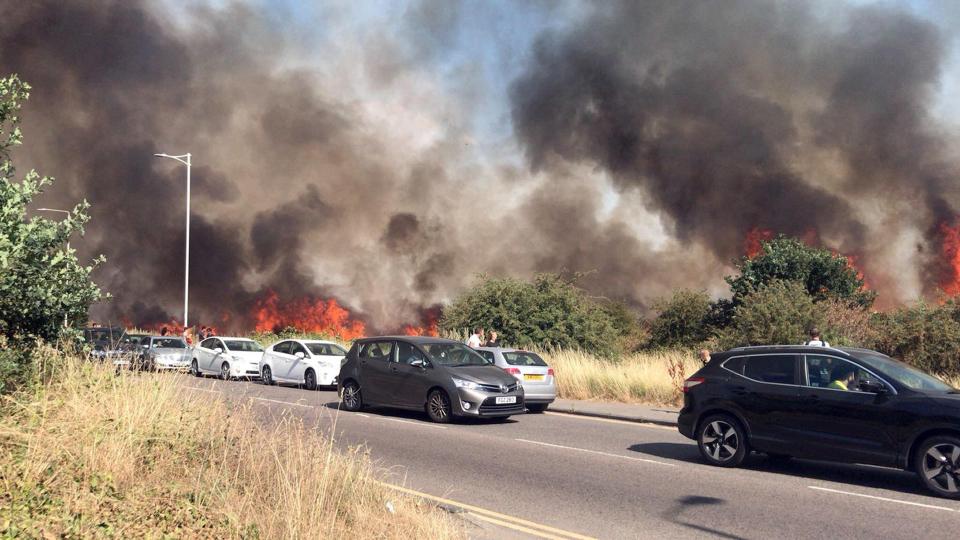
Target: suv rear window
pixel 523 359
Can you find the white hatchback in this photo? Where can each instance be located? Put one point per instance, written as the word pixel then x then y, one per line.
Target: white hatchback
pixel 308 362
pixel 228 357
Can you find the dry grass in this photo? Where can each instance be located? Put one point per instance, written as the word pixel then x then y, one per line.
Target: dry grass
pixel 94 454
pixel 653 377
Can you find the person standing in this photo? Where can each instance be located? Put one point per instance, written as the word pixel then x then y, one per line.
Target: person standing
pixel 492 339
pixel 476 339
pixel 815 339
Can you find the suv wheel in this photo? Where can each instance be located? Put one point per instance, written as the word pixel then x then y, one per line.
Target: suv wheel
pixel 352 399
pixel 722 441
pixel 438 407
pixel 266 376
pixel 938 464
pixel 310 380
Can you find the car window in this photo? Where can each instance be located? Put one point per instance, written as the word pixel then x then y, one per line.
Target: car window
pixel 908 376
pixel 208 343
pixel 169 343
pixel 377 349
pixel 326 349
pixel 771 368
pixel 523 359
pixel 237 345
pixel 407 353
pixel 735 364
pixel 488 355
pixel 823 371
pixel 454 355
pixel 297 348
pixel 283 347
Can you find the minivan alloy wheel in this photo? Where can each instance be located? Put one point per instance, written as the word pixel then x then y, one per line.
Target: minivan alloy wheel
pixel 941 466
pixel 438 406
pixel 352 399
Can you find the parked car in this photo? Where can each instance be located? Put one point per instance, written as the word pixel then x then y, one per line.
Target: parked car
pixel 442 377
pixel 835 404
pixel 164 353
pixel 539 386
pixel 131 345
pixel 308 362
pixel 105 344
pixel 227 357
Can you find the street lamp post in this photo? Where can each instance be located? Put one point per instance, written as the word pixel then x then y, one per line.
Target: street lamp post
pixel 67 212
pixel 185 159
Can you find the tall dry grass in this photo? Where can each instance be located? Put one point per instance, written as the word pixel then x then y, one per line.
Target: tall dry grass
pixel 94 454
pixel 650 377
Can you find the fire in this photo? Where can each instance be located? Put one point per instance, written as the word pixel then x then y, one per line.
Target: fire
pixel 950 283
pixel 429 324
pixel 312 315
pixel 753 243
pixel 852 264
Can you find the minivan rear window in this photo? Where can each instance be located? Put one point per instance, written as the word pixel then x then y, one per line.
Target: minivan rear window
pixel 523 359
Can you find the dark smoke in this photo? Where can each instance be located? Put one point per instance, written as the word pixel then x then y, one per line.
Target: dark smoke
pixel 656 133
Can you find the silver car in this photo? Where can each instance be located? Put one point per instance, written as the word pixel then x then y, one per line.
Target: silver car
pixel 165 353
pixel 539 385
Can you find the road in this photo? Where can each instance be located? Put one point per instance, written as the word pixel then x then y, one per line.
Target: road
pixel 561 476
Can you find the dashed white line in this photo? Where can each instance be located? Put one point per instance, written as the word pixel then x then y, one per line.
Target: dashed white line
pixel 283 402
pixel 363 415
pixel 631 458
pixel 204 389
pixel 885 499
pixel 414 423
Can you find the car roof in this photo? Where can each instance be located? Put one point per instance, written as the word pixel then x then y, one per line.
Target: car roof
pixel 502 349
pixel 235 338
pixel 323 341
pixel 420 340
pixel 794 349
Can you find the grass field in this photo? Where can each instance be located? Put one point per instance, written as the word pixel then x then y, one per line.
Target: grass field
pixel 96 454
pixel 653 377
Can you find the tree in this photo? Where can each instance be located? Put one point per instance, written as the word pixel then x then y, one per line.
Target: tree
pixel 548 312
pixel 922 335
pixel 822 273
pixel 683 320
pixel 775 313
pixel 43 287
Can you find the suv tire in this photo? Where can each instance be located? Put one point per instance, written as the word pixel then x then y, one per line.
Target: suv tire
pixel 722 441
pixel 937 463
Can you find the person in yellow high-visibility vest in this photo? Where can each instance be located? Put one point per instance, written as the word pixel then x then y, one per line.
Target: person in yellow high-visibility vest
pixel 843 376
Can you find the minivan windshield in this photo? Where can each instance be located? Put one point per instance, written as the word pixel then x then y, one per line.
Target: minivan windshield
pixel 908 376
pixel 454 355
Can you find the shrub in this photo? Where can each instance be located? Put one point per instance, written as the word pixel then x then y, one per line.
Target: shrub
pixel 683 320
pixel 779 312
pixel 549 312
pixel 922 335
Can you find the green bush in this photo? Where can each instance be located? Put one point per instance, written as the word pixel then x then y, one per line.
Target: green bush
pixel 823 274
pixel 778 312
pixel 922 335
pixel 682 320
pixel 549 312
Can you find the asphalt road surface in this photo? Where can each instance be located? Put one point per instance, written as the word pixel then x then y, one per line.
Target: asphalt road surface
pixel 561 476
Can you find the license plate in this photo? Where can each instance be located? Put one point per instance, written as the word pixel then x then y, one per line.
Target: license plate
pixel 533 377
pixel 508 399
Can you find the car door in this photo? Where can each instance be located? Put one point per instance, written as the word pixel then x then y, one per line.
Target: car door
pixel 297 366
pixel 409 382
pixel 214 358
pixel 374 359
pixel 767 395
pixel 279 362
pixel 845 425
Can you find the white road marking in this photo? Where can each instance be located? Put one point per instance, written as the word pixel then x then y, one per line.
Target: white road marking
pixel 609 420
pixel 631 458
pixel 204 389
pixel 283 402
pixel 363 415
pixel 837 491
pixel 414 423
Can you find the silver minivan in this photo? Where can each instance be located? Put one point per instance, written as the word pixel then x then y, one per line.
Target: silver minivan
pixel 539 385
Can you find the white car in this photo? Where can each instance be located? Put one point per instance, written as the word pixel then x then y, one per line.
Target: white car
pixel 227 357
pixel 308 362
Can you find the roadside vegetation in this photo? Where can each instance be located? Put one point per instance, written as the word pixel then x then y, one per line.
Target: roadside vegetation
pixel 87 453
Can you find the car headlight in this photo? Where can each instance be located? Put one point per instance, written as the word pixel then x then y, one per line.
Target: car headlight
pixel 469 385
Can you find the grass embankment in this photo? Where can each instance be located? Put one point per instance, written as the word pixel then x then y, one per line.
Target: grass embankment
pixel 653 377
pixel 94 454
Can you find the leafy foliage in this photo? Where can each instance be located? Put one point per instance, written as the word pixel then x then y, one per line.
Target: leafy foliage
pixel 43 287
pixel 778 312
pixel 548 312
pixel 683 320
pixel 922 335
pixel 822 273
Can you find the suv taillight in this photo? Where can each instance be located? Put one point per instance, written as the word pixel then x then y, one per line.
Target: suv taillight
pixel 512 370
pixel 691 382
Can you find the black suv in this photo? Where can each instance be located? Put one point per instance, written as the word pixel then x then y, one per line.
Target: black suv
pixel 836 404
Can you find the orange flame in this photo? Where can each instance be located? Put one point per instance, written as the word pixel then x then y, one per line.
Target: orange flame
pixel 312 315
pixel 429 325
pixel 950 283
pixel 753 243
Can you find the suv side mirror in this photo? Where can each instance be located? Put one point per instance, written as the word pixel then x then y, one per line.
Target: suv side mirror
pixel 875 387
